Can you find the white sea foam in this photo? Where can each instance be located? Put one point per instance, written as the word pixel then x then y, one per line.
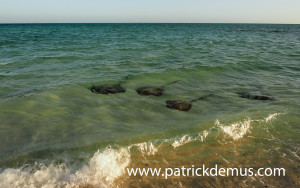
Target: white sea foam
pixel 146 148
pixel 203 135
pixel 272 116
pixel 236 130
pixel 177 142
pixel 183 140
pixel 101 171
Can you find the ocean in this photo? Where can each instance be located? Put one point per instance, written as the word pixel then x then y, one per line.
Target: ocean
pixel 55 132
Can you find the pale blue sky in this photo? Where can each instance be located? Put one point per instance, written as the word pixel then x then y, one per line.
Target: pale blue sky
pixel 199 11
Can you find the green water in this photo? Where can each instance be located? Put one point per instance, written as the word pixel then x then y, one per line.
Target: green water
pixel 48 115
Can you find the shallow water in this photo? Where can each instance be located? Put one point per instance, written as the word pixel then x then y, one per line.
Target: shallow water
pixel 56 132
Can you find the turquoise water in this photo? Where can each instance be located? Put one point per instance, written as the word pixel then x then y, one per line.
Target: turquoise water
pixel 51 124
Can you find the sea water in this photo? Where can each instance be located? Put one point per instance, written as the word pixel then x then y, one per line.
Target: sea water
pixel 54 132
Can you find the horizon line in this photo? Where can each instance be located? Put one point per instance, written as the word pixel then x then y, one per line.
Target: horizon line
pixel 149 23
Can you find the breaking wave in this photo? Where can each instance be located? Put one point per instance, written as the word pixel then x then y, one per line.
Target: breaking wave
pixel 236 130
pixel 272 116
pixel 107 165
pixel 101 171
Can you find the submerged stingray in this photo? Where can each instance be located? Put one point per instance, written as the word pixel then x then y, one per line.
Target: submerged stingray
pixel 104 89
pixel 254 96
pixel 183 105
pixel 156 91
pixel 109 89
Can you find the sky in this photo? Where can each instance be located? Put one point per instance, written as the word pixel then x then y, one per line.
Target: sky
pixel 150 11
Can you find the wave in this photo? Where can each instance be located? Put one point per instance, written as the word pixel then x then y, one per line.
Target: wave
pixel 272 116
pixel 101 171
pixel 107 165
pixel 236 130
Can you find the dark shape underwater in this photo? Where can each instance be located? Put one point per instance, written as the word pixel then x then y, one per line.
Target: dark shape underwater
pixel 183 105
pixel 110 89
pixel 153 90
pixel 104 89
pixel 248 95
